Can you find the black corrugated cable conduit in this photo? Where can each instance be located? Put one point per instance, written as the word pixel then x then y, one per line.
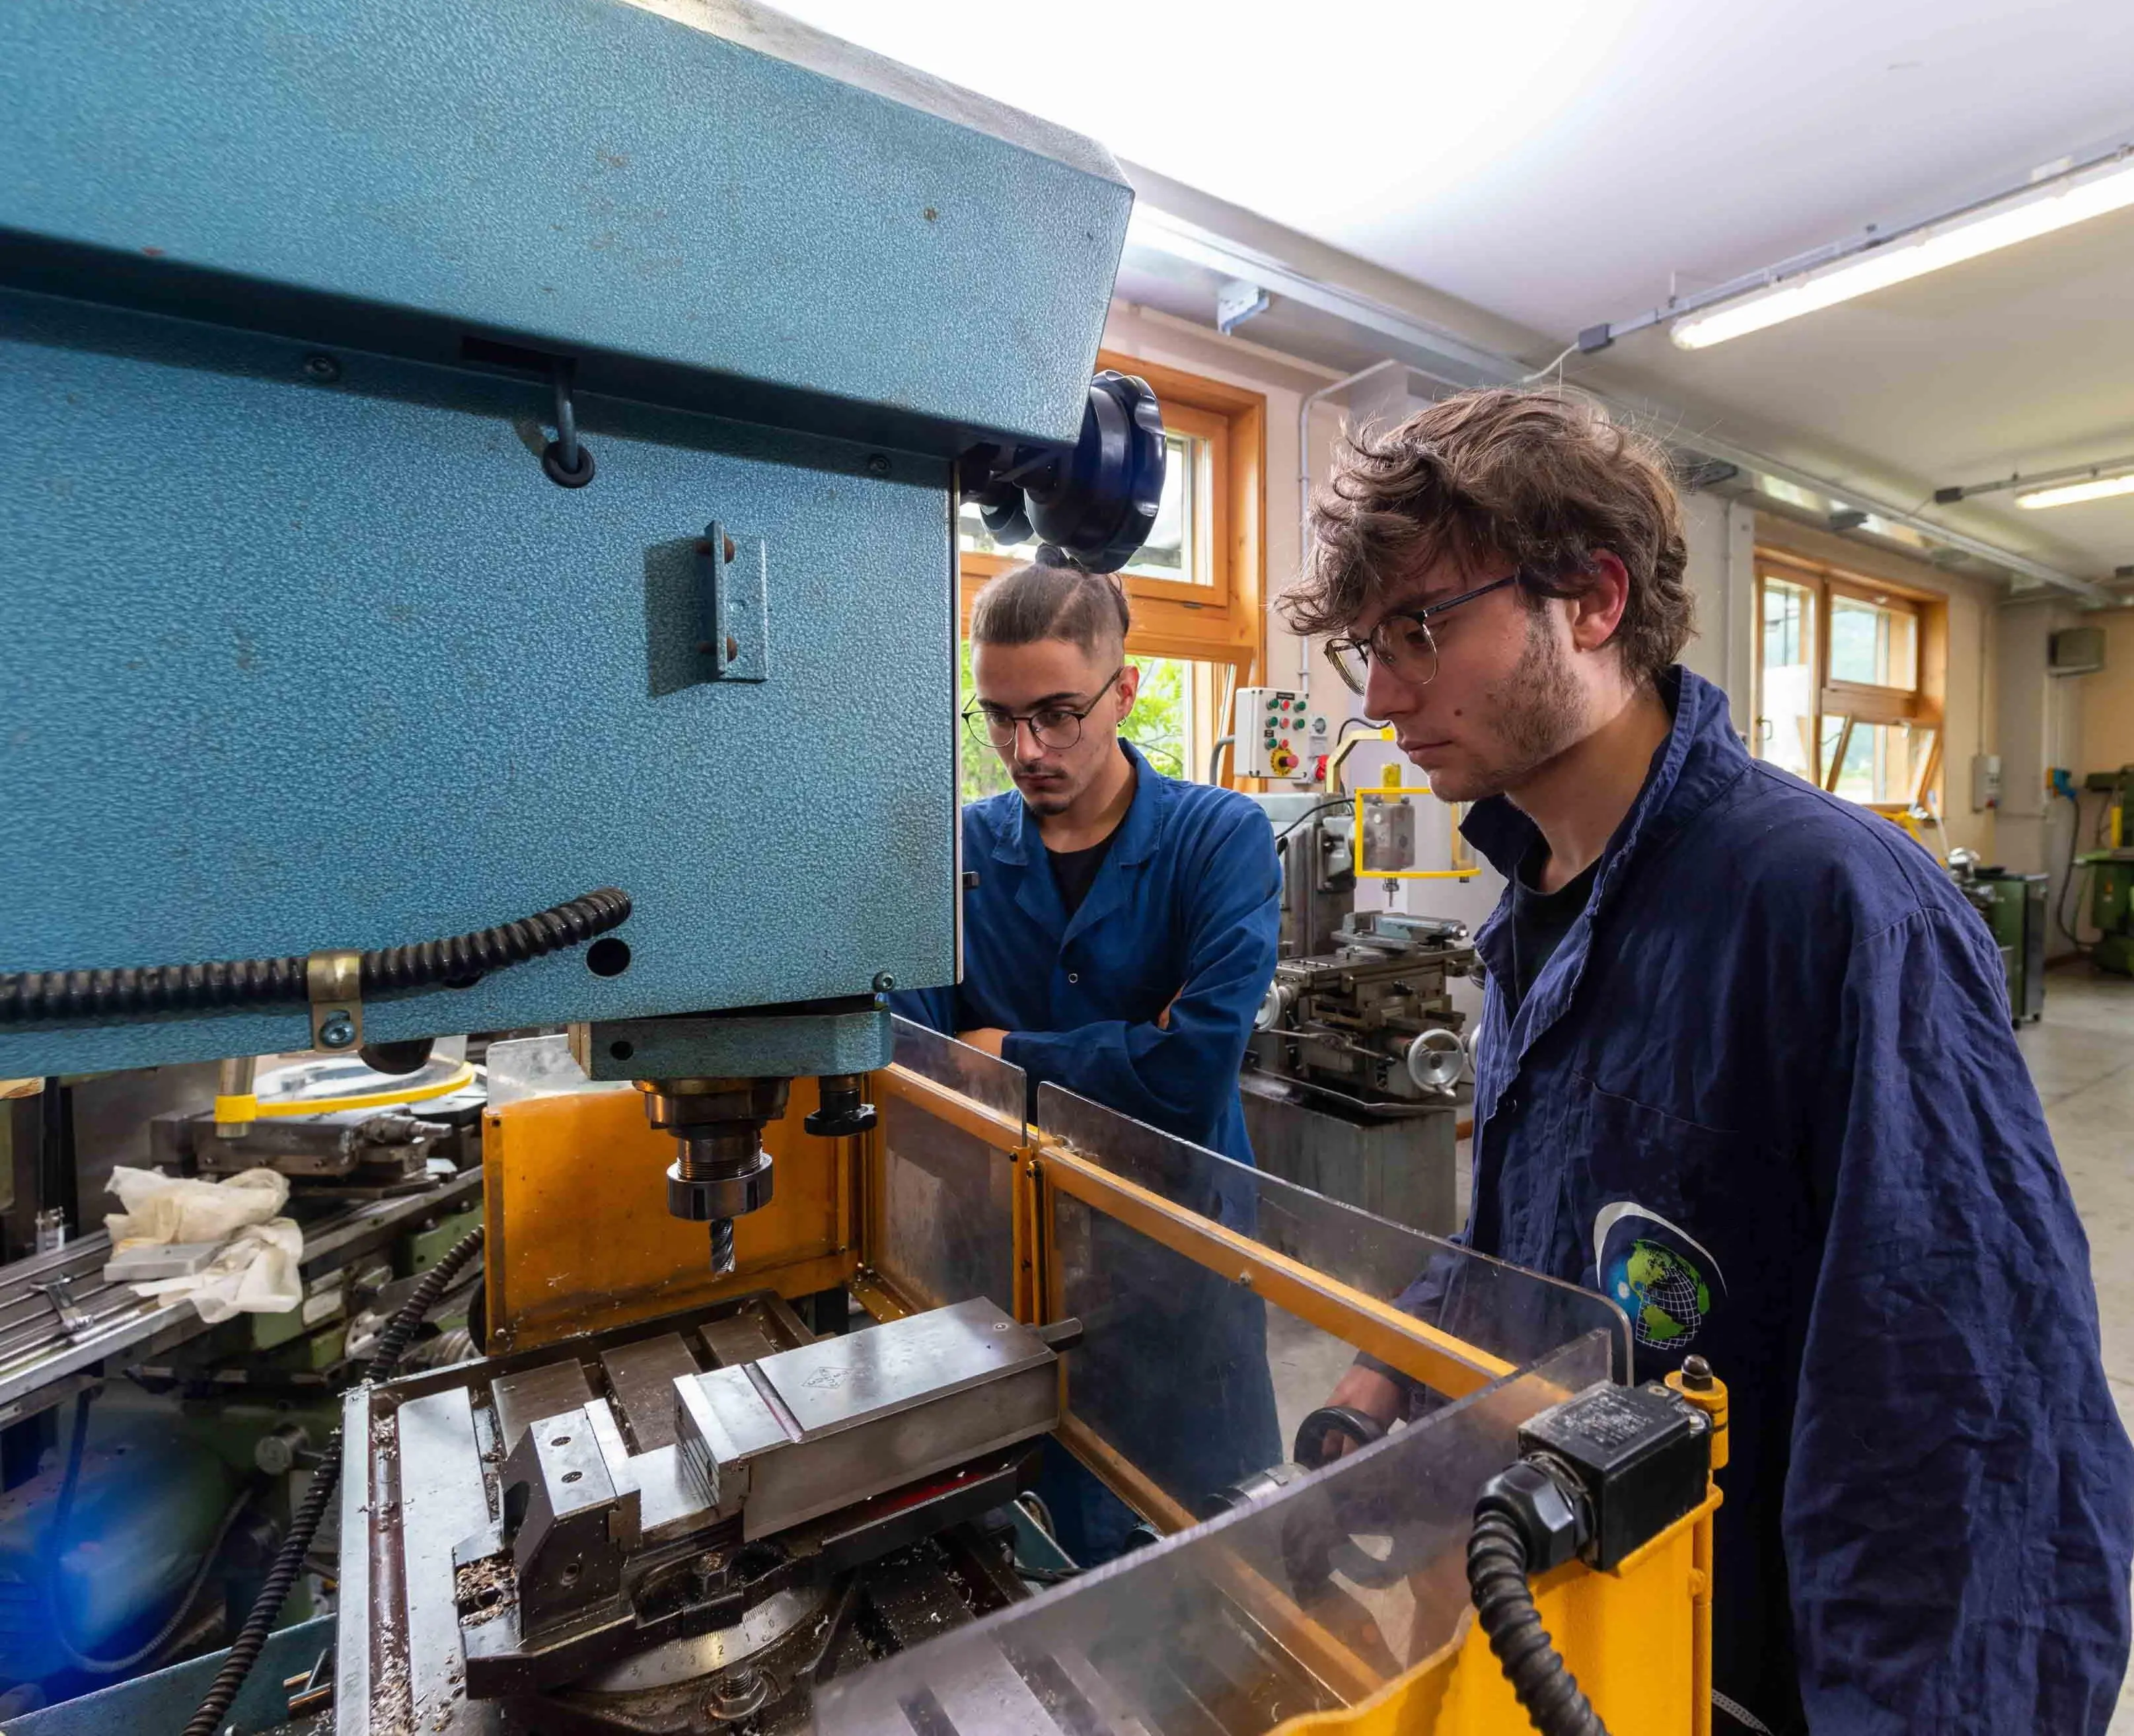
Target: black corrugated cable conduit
pixel 1498 1557
pixel 385 1359
pixel 136 991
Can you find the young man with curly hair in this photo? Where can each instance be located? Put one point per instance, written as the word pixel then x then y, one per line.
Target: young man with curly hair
pixel 1745 1065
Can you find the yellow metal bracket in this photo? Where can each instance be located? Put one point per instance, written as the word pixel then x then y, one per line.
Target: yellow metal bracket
pixel 1390 788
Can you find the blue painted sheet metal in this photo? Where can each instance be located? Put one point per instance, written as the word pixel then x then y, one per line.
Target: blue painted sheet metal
pixel 290 665
pixel 164 1700
pixel 585 175
pixel 783 1046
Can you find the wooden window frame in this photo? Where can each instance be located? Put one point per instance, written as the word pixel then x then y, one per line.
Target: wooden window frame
pixel 1224 621
pixel 1923 704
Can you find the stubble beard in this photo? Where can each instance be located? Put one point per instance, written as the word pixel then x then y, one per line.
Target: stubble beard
pixel 1046 803
pixel 1539 712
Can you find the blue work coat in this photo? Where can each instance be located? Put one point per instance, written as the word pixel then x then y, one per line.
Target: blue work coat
pixel 1187 904
pixel 1766 1096
pixel 1184 913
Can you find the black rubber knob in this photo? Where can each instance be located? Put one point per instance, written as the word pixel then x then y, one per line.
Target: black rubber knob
pixel 1317 1430
pixel 1098 507
pixel 841 1115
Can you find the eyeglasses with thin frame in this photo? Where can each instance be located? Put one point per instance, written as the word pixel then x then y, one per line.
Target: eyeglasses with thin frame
pixel 1056 726
pixel 1401 641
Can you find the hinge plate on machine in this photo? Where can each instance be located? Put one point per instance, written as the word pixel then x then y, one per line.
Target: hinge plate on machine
pixel 733 624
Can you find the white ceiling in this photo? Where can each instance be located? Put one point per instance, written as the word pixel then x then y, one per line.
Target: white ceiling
pixel 1559 163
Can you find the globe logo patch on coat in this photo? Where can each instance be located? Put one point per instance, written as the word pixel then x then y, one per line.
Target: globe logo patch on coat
pixel 1665 1296
pixel 1665 1279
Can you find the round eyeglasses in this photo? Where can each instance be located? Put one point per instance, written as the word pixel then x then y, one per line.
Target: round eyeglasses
pixel 1058 727
pixel 1401 641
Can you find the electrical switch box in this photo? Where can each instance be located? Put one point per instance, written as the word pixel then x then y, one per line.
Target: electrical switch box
pixel 1278 736
pixel 1984 782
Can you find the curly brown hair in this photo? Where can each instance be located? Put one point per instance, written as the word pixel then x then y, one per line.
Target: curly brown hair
pixel 1537 480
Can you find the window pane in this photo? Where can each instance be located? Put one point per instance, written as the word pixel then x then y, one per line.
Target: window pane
pixel 1872 642
pixel 1882 760
pixel 1174 548
pixel 1160 724
pixel 984 773
pixel 1171 552
pixel 1789 676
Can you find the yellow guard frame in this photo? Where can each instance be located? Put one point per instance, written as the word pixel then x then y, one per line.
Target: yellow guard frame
pixel 577 1245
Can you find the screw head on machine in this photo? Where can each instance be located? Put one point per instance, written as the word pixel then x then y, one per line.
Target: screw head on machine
pixel 337 1032
pixel 884 982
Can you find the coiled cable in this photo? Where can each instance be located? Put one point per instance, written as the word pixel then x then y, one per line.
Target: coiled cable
pixel 1504 1604
pixel 136 991
pixel 391 1346
pixel 2067 879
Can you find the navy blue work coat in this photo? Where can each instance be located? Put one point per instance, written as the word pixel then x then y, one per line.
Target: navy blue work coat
pixel 1766 1096
pixel 1186 905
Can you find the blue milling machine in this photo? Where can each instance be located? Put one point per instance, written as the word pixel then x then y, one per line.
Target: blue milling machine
pixel 481 496
pixel 482 493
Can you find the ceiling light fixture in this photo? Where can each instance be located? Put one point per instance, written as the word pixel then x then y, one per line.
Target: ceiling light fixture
pixel 2069 197
pixel 2103 487
pixel 2064 193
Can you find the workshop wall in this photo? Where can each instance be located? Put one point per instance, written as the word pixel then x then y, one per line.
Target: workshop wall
pixel 2107 697
pixel 1720 536
pixel 2040 726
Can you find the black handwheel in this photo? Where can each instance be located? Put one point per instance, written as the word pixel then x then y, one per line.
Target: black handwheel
pixel 1093 504
pixel 1099 506
pixel 1316 1430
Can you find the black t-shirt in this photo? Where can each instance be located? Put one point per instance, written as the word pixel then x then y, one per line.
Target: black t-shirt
pixel 1074 871
pixel 1539 922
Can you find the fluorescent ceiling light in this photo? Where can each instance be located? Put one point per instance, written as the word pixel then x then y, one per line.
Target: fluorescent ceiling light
pixel 2103 487
pixel 2021 216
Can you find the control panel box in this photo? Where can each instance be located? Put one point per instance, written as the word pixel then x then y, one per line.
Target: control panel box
pixel 1279 735
pixel 1984 782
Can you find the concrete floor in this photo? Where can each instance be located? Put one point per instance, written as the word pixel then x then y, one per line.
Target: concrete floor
pixel 2081 1054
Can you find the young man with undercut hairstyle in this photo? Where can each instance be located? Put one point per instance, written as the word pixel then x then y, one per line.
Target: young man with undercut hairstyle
pixel 1745 1065
pixel 1117 943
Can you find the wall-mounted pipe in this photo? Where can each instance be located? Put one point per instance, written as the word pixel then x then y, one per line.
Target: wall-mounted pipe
pixel 1304 409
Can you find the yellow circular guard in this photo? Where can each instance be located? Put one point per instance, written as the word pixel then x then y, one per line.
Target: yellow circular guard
pixel 248 1108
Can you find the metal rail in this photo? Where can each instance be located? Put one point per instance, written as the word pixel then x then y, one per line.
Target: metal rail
pixel 37 1348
